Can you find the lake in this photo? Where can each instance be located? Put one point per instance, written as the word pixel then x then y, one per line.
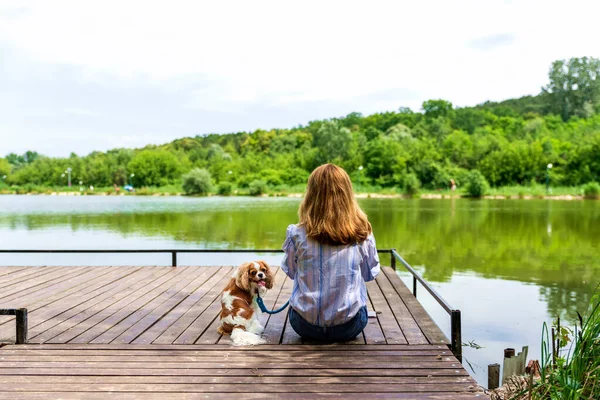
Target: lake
pixel 509 265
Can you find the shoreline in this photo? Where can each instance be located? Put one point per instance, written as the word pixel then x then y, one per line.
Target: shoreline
pixel 429 196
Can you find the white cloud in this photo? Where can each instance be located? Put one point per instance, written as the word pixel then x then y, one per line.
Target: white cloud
pixel 241 58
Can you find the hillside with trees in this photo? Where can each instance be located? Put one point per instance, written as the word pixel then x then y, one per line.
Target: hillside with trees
pixel 509 143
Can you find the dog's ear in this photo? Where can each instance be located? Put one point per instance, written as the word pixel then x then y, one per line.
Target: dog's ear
pixel 269 279
pixel 242 280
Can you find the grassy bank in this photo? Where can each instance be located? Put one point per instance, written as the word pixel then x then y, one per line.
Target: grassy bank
pixel 512 192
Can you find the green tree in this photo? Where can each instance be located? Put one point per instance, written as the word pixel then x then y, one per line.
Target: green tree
pixel 437 108
pixel 197 181
pixel 4 168
pixel 333 142
pixel 476 184
pixel 155 167
pixel 574 87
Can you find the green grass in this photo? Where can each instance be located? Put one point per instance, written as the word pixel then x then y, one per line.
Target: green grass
pixel 535 191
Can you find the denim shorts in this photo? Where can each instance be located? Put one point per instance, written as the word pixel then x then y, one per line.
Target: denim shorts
pixel 337 333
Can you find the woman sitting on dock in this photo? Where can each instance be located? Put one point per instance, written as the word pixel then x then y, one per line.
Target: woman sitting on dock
pixel 330 254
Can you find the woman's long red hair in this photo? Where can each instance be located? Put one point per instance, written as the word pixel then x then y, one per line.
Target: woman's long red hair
pixel 329 213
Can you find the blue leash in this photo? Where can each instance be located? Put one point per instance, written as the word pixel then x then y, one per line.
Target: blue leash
pixel 264 309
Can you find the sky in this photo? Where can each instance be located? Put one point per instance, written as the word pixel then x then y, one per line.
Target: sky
pixel 83 76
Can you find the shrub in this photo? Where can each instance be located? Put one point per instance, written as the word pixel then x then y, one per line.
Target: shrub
pixel 257 187
pixel 411 184
pixel 476 184
pixel 591 190
pixel 271 177
pixel 294 176
pixel 225 188
pixel 245 180
pixel 197 181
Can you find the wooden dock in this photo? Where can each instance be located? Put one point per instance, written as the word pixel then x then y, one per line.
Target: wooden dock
pixel 151 332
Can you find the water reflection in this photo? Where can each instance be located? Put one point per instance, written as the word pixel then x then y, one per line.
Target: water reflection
pixel 508 265
pixel 552 244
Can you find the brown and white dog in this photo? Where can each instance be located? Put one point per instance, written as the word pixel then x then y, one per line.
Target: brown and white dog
pixel 239 312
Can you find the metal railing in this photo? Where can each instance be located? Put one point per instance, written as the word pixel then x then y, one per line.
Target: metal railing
pixel 455 319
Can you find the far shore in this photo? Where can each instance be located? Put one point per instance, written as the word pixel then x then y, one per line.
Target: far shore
pixel 360 195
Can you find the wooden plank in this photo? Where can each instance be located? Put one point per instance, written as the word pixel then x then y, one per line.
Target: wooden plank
pixel 187 287
pixel 373 333
pixel 275 372
pixel 270 299
pixel 230 352
pixel 59 288
pixel 210 335
pixel 389 326
pixel 232 388
pixel 6 270
pixel 261 362
pixel 197 319
pixel 121 310
pixel 85 310
pixel 409 326
pixel 220 348
pixel 429 328
pixel 18 290
pixel 247 395
pixel 16 274
pixel 278 357
pixel 29 273
pixel 239 380
pixel 46 317
pixel 52 293
pixel 289 335
pixel 276 322
pixel 216 274
pixel 144 305
pixel 107 307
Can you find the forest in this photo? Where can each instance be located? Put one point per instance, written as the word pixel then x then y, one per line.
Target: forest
pixel 509 142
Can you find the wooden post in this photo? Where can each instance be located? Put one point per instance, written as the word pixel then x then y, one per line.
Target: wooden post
pixel 173 258
pixel 514 365
pixel 456 338
pixel 493 376
pixel 21 320
pixel 392 259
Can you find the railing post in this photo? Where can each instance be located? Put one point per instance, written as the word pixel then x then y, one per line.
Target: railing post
pixel 456 338
pixel 173 258
pixel 415 286
pixel 21 322
pixel 392 259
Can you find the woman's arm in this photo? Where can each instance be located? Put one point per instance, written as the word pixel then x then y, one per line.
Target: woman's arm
pixel 288 264
pixel 369 267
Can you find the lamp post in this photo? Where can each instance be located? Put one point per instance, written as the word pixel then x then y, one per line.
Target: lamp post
pixel 548 178
pixel 131 180
pixel 360 174
pixel 68 171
